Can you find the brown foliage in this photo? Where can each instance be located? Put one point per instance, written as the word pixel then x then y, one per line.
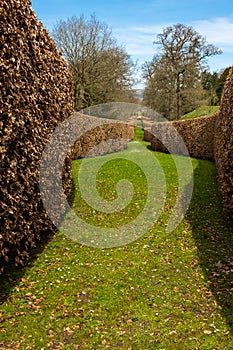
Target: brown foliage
pixel 206 138
pixel 224 145
pixel 36 96
pixel 95 130
pixel 197 135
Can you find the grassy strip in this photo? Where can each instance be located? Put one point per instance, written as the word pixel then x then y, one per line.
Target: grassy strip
pixel 162 291
pixel 201 111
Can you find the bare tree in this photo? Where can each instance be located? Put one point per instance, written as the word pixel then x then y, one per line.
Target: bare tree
pixel 174 75
pixel 102 70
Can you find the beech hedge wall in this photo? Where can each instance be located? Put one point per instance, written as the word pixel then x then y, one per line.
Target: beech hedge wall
pixel 208 137
pixel 36 96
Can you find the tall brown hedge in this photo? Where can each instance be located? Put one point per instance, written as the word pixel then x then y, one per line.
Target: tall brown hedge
pixel 95 131
pixel 206 138
pixel 223 140
pixel 36 96
pixel 197 135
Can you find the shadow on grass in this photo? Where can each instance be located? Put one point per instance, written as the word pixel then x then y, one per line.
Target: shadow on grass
pixel 213 233
pixel 12 275
pixel 149 147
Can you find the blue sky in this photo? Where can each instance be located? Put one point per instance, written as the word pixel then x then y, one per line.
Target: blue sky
pixel 135 24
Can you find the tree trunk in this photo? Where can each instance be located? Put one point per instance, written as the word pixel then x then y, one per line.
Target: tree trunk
pixel 170 105
pixel 178 98
pixel 76 102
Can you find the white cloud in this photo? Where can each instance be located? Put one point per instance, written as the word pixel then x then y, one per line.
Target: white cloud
pixel 139 40
pixel 218 31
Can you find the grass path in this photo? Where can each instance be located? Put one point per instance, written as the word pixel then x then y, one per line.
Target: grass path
pixel 162 291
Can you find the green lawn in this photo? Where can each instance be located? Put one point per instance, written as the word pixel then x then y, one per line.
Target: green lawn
pixel 201 111
pixel 162 291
